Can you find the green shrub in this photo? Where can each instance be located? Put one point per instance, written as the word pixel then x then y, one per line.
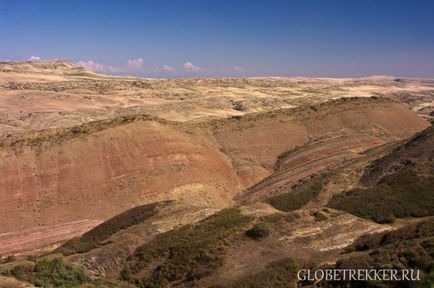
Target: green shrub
pixel 186 254
pixel 51 273
pixel 94 237
pixel 280 274
pixel 320 216
pixel 7 259
pixel 405 194
pixel 32 258
pixel 298 197
pixel 21 271
pixel 259 231
pixel 410 247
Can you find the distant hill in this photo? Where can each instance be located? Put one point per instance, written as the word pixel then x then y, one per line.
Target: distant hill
pixel 48 67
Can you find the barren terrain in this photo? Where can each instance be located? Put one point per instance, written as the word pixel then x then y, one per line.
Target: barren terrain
pixel 171 162
pixel 46 95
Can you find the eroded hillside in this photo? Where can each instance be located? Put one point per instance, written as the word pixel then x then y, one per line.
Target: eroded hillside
pixel 267 242
pixel 198 182
pixel 99 173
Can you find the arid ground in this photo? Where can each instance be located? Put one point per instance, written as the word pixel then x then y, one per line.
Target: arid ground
pixel 210 182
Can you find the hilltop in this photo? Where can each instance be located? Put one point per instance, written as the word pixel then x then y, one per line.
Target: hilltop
pixel 40 95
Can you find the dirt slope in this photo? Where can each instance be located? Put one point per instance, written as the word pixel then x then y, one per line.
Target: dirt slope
pixel 42 237
pixel 99 173
pixel 337 133
pixel 102 174
pixel 178 246
pixel 248 166
pixel 415 153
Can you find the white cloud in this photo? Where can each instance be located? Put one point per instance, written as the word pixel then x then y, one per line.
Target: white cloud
pixel 132 64
pixel 239 68
pixel 96 67
pixel 34 58
pixel 168 68
pixel 190 67
pixel 135 63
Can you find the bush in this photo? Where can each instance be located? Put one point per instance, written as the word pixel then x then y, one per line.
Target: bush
pixel 94 237
pixel 186 254
pixel 280 274
pixel 297 198
pixel 410 247
pixel 239 106
pixel 8 259
pixel 259 231
pixel 404 194
pixel 32 258
pixel 21 271
pixel 320 216
pixel 51 273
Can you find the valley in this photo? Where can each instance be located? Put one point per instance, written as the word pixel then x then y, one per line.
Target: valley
pixel 193 182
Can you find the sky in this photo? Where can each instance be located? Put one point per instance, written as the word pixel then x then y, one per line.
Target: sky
pixel 236 38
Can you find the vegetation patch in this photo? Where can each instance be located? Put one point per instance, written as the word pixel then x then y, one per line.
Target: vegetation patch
pixel 412 154
pixel 51 273
pixel 239 106
pixel 404 194
pixel 320 216
pixel 298 197
pixel 280 274
pixel 94 237
pixel 259 231
pixel 186 254
pixel 7 259
pixel 55 136
pixel 279 219
pixel 411 247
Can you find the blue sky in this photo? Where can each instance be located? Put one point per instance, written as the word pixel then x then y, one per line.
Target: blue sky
pixel 225 38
